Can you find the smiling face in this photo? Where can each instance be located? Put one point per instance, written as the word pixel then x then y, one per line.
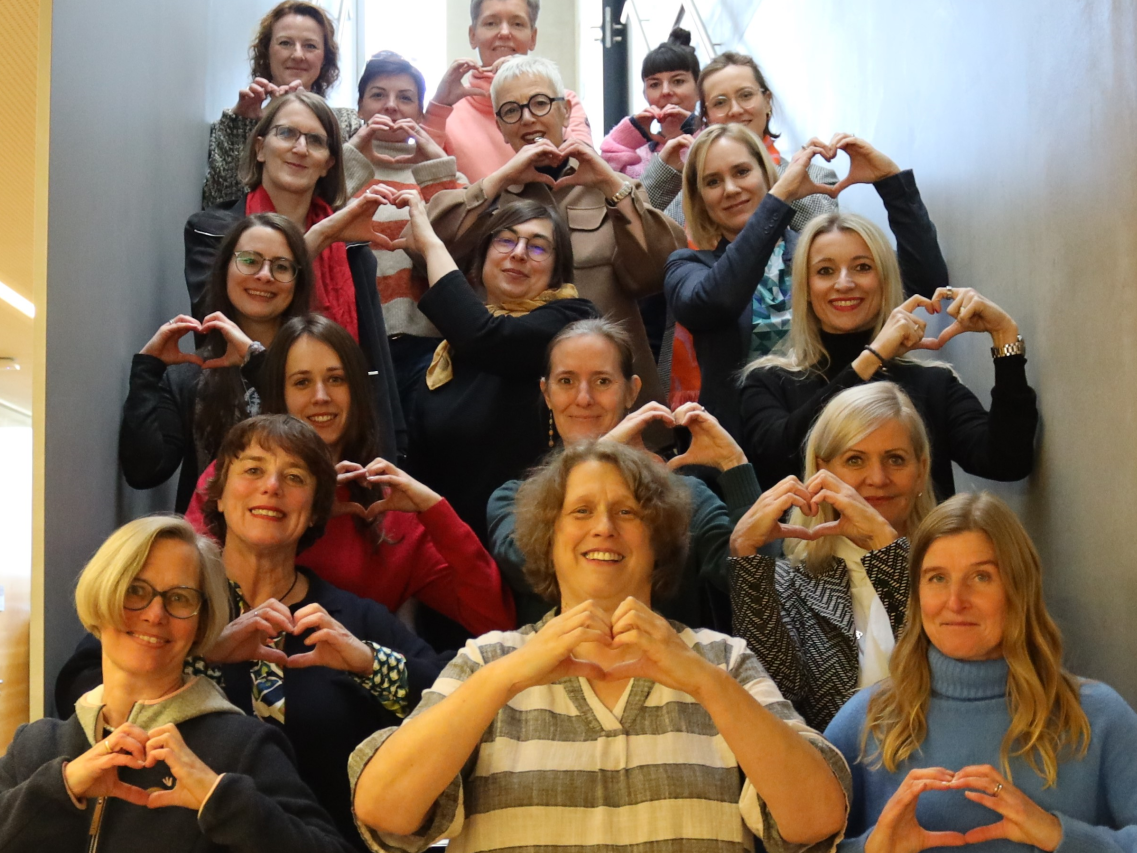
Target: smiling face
pixel 291 166
pixel 259 297
pixel 585 389
pixel 502 29
pixel 733 96
pixel 393 95
pixel 963 603
pixel 551 125
pixel 316 390
pixel 731 184
pixel 884 469
pixel 844 282
pixel 296 50
pixel 672 87
pixel 267 499
pixel 514 276
pixel 601 545
pixel 152 644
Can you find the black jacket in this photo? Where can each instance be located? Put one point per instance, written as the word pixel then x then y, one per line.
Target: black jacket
pixel 711 293
pixel 203 234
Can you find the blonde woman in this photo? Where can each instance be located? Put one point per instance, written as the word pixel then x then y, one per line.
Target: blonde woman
pixel 852 326
pixel 824 620
pixel 733 292
pixel 151 758
pixel 981 736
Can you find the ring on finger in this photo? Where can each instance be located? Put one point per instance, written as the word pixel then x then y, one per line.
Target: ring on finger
pixel 949 292
pixel 107 746
pixel 998 788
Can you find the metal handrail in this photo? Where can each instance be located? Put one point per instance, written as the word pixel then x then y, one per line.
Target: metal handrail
pixel 687 9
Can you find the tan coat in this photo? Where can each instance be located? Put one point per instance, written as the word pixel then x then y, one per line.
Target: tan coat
pixel 611 268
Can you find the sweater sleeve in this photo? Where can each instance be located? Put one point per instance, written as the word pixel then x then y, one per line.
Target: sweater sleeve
pixel 227 138
pixel 579 126
pixel 662 183
pixel 760 620
pixel 922 264
pixel 507 346
pixel 708 300
pixel 151 438
pixel 456 576
pixel 998 444
pixel 34 796
pixel 710 534
pixel 501 523
pixel 434 123
pixel 844 732
pixel 774 430
pixel 621 147
pixel 264 806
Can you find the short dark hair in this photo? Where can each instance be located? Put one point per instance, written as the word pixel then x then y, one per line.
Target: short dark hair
pixel 663 498
pixel 516 213
pixel 276 432
pixel 726 59
pixel 332 188
pixel 612 331
pixel 534 11
pixel 386 63
pixel 221 392
pixel 259 49
pixel 675 54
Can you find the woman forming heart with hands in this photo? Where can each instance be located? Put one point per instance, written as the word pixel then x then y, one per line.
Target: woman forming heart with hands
pixel 823 621
pixel 980 735
pixel 604 530
pixel 153 755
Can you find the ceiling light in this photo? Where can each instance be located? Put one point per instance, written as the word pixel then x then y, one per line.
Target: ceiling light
pixel 21 304
pixel 9 362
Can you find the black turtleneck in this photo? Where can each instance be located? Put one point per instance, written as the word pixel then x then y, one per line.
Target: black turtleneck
pixel 843 349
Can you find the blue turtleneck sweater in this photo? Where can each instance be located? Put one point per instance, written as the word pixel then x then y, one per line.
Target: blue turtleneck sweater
pixel 1095 797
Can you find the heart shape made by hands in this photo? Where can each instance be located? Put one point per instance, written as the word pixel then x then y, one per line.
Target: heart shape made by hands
pixel 840 162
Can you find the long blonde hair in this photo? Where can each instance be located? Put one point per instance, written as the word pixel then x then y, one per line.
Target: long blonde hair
pixel 845 420
pixel 1047 721
pixel 705 232
pixel 802 349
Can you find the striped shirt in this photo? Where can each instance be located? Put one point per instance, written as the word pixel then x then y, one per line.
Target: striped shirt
pixel 557 770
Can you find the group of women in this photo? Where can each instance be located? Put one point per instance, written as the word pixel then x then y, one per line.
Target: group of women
pixel 673 494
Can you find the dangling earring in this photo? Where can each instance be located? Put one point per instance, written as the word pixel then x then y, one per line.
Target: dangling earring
pixel 552 430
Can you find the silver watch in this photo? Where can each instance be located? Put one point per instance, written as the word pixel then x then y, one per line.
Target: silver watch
pixel 1017 348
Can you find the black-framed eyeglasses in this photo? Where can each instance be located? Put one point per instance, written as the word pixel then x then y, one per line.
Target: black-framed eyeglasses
pixel 537 249
pixel 314 141
pixel 181 602
pixel 251 263
pixel 539 105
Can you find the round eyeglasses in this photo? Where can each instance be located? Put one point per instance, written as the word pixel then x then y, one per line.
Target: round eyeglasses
pixel 314 141
pixel 539 105
pixel 251 263
pixel 181 602
pixel 537 249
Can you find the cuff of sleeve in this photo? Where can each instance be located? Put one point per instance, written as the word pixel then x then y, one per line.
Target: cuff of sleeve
pixel 756 564
pixel 1010 370
pixel 739 486
pixel 897 186
pixel 231 121
pixel 78 802
pixel 154 367
pixel 897 548
pixel 475 196
pixel 435 171
pixel 1076 835
pixel 436 115
pixel 212 788
pixel 388 680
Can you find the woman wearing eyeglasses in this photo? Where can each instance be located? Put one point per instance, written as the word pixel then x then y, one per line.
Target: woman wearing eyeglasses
pixel 478 421
pixel 152 759
pixel 181 404
pixel 293 165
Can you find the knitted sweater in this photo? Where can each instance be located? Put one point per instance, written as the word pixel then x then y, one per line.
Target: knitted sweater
pixel 1095 797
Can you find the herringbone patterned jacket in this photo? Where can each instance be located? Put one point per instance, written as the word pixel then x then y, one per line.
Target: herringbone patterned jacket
pixel 801 627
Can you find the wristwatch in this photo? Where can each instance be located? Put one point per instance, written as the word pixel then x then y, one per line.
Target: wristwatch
pixel 621 194
pixel 1017 348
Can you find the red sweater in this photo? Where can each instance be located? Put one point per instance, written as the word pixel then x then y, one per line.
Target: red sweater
pixel 432 556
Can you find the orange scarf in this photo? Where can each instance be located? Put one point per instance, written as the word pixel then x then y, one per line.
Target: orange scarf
pixel 335 288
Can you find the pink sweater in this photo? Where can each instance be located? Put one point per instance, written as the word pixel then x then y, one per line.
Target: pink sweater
pixel 626 150
pixel 468 131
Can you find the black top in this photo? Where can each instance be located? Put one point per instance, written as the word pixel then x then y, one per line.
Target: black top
pixel 488 424
pixel 711 292
pixel 779 407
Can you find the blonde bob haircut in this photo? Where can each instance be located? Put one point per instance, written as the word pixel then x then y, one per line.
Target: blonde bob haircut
pixel 846 419
pixel 804 351
pixel 1048 724
pixel 704 230
pixel 102 585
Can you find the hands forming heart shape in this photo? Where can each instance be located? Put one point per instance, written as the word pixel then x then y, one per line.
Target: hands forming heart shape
pixel 710 443
pixel 904 332
pixel 401 492
pixel 866 165
pixel 164 344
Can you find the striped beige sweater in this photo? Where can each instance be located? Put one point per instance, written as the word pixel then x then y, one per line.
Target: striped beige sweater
pixel 557 771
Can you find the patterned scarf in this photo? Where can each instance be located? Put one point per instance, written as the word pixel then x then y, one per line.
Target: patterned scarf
pixel 774 153
pixel 268 678
pixel 441 368
pixel 335 288
pixel 771 307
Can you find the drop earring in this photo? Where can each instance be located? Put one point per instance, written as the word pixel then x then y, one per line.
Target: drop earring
pixel 552 430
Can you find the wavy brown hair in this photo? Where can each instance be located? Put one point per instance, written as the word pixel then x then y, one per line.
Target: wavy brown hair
pixel 1048 724
pixel 259 49
pixel 664 500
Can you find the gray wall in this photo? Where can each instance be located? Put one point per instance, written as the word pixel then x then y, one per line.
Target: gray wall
pixel 133 89
pixel 1019 120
